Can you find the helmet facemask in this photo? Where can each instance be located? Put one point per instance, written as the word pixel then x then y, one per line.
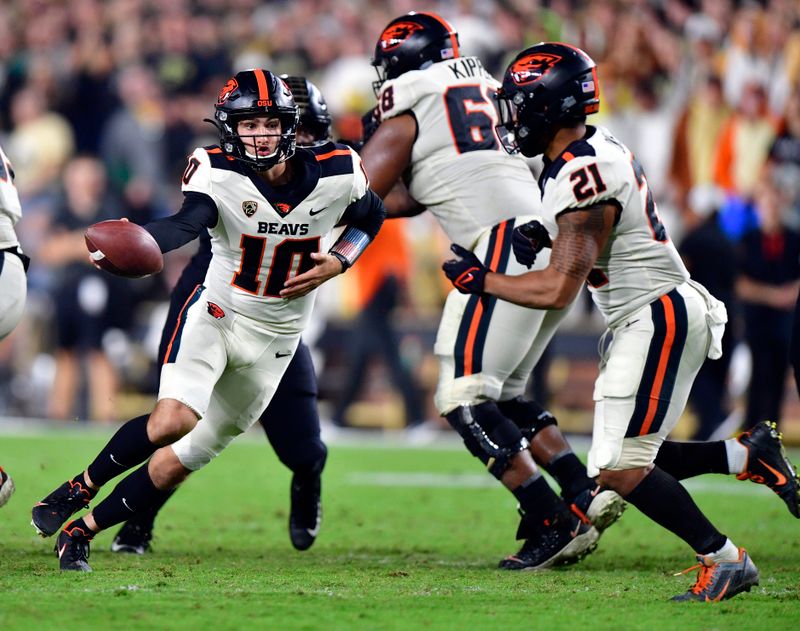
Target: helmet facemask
pixel 521 129
pixel 233 144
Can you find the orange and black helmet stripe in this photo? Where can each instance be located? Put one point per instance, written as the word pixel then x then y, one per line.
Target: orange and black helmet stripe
pixel 448 27
pixel 263 88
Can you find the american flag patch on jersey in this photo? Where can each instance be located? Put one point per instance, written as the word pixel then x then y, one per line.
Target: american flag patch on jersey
pixel 447 53
pixel 587 86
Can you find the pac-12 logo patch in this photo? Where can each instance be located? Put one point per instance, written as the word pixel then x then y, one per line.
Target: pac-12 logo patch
pixel 532 67
pixel 249 207
pixel 215 310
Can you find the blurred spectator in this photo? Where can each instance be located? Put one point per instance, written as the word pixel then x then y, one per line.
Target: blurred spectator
pixel 40 143
pixel 768 287
pixel 695 138
pixel 88 302
pixel 380 278
pixel 132 144
pixel 783 165
pixel 743 143
pixel 710 258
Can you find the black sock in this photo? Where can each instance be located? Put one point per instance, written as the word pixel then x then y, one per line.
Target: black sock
pixel 537 500
pixel 570 473
pixel 664 500
pixel 127 448
pixel 147 518
pixel 686 460
pixel 134 495
pixel 79 524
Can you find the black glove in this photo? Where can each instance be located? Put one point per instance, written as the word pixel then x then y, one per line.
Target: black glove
pixel 369 124
pixel 467 273
pixel 528 240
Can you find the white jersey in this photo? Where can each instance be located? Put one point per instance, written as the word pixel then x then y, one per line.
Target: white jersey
pixel 459 169
pixel 640 263
pixel 10 208
pixel 265 235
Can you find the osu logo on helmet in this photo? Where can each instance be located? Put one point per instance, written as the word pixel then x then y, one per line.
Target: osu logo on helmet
pixel 396 34
pixel 532 67
pixel 227 90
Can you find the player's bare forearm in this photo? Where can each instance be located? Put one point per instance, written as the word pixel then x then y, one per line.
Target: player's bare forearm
pixel 545 289
pixel 400 204
pixel 327 266
pixel 582 236
pixel 388 152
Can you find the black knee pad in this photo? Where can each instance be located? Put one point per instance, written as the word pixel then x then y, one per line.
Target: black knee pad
pixel 529 416
pixel 488 435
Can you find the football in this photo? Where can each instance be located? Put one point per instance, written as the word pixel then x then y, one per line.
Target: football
pixel 123 248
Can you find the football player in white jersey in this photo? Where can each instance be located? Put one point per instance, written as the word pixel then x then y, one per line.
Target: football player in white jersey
pixel 270 210
pixel 600 213
pixel 297 444
pixel 436 133
pixel 13 265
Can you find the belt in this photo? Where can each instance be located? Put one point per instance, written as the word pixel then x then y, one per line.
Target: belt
pixel 26 261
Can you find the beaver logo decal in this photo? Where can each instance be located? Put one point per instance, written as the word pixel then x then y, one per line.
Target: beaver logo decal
pixel 396 34
pixel 532 67
pixel 227 90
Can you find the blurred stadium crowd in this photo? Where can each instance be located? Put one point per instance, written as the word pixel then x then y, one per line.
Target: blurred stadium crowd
pixel 101 101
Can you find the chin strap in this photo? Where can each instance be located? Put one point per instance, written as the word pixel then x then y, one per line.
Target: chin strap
pixel 349 246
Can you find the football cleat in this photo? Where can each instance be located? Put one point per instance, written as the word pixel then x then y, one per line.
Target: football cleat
pixel 598 507
pixel 718 581
pixel 134 537
pixel 6 487
pixel 72 548
pixel 305 514
pixel 566 540
pixel 51 513
pixel 768 464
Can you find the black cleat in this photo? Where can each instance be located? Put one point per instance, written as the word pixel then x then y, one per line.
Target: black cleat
pixel 6 487
pixel 598 507
pixel 51 513
pixel 305 515
pixel 72 548
pixel 719 581
pixel 134 537
pixel 564 541
pixel 768 464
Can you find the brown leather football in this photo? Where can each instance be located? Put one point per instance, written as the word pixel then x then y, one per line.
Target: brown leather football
pixel 123 248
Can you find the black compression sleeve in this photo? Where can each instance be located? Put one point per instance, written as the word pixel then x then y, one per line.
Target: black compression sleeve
pixel 366 214
pixel 197 213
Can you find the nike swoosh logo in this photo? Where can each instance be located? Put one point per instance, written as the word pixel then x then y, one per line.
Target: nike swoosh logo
pixel 115 461
pixel 279 355
pixel 574 533
pixel 126 505
pixel 781 478
pixel 61 550
pixel 313 212
pixel 627 324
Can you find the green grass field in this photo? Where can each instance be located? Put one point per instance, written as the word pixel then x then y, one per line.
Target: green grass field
pixel 410 540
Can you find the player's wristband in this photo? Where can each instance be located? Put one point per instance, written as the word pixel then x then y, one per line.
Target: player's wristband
pixel 349 246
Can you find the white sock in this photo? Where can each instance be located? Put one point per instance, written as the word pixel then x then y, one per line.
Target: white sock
pixel 737 456
pixel 728 552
